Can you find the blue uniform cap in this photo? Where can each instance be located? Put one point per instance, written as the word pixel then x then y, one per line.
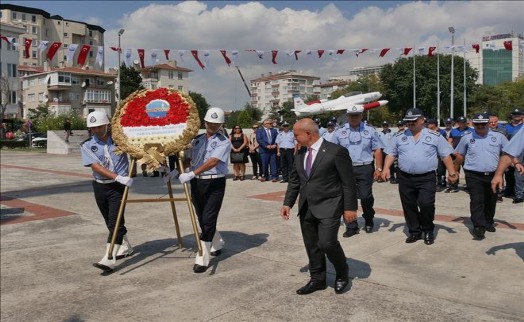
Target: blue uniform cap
pixel 285 124
pixel 385 123
pixel 331 124
pixel 481 118
pixel 413 114
pixel 449 120
pixel 517 112
pixel 400 123
pixel 432 121
pixel 461 119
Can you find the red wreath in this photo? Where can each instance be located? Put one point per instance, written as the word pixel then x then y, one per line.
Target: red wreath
pixel 135 114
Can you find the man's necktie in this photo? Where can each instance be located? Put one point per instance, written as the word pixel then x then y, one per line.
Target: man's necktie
pixel 309 159
pixel 269 135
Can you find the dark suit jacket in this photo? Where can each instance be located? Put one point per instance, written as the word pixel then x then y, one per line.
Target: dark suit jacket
pixel 264 141
pixel 330 189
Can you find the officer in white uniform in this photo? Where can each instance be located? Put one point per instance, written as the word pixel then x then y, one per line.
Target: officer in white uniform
pixel 329 135
pixel 365 150
pixel 480 151
pixel 417 149
pixel 110 174
pixel 207 174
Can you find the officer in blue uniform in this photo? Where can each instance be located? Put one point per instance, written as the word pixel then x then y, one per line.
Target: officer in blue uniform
pixel 385 135
pixel 480 150
pixel 330 133
pixel 417 150
pixel 110 174
pixel 513 155
pixel 321 130
pixel 512 128
pixel 365 150
pixel 207 174
pixel 432 124
pixel 286 149
pixel 454 137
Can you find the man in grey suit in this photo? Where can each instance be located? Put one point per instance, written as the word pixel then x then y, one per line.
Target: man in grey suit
pixel 323 176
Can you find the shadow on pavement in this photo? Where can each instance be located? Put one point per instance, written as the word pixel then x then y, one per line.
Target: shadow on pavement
pixel 518 247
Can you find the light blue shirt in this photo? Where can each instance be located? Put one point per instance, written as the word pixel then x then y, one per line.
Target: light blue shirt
pixel 481 153
pixel 329 136
pixel 321 130
pixel 515 147
pixel 95 151
pixel 360 142
pixel 217 146
pixel 285 140
pixel 418 157
pixel 385 137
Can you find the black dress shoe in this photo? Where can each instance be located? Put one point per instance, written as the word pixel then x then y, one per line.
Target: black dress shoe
pixel 216 252
pixel 518 200
pixel 413 238
pixel 311 287
pixel 491 229
pixel 479 233
pixel 341 284
pixel 368 229
pixel 350 232
pixel 429 238
pixel 199 268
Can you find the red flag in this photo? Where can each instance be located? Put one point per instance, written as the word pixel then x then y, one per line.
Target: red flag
pixel 53 49
pixel 296 54
pixel 383 52
pixel 195 55
pixel 166 52
pixel 340 51
pixel 116 49
pixel 82 55
pixel 508 45
pixel 361 51
pixel 476 47
pixel 5 38
pixel 27 46
pixel 431 50
pixel 141 53
pixel 224 54
pixel 406 51
pixel 320 52
pixel 274 54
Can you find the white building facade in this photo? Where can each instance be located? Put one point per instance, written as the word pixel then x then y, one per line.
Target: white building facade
pixel 9 71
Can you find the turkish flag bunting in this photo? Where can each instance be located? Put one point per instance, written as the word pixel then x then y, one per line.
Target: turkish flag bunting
pixel 53 49
pixel 141 53
pixel 320 52
pixel 166 52
pixel 340 51
pixel 508 45
pixel 383 52
pixel 83 55
pixel 361 51
pixel 406 51
pixel 5 38
pixel 27 46
pixel 476 47
pixel 116 49
pixel 224 54
pixel 274 54
pixel 296 54
pixel 195 55
pixel 430 51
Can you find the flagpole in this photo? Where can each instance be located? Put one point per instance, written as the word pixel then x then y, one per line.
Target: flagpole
pixel 438 86
pixel 452 30
pixel 414 83
pixel 465 105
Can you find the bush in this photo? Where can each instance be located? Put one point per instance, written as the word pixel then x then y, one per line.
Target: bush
pixel 56 123
pixel 13 144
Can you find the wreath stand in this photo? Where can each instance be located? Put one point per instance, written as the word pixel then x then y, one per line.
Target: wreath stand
pixel 171 200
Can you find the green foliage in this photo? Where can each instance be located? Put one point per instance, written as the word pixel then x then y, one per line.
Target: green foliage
pixel 44 121
pixel 201 105
pixel 499 99
pixel 245 118
pixel 130 81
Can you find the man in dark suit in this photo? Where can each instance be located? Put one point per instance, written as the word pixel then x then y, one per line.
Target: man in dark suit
pixel 323 175
pixel 267 149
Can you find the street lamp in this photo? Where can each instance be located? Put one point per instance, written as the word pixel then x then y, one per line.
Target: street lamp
pixel 452 30
pixel 117 89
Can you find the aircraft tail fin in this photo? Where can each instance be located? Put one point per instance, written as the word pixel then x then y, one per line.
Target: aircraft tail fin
pixel 298 103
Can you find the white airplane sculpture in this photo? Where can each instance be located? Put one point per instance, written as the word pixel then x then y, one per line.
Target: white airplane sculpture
pixel 367 101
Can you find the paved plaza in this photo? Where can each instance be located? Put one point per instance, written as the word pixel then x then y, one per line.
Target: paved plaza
pixel 52 232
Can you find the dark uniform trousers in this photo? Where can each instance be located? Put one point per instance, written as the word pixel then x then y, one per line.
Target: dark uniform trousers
pixel 417 195
pixel 207 196
pixel 364 179
pixel 108 198
pixel 286 162
pixel 320 239
pixel 257 163
pixel 441 173
pixel 483 201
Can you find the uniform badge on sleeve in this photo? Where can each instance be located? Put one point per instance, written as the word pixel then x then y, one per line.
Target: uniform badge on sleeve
pixel 213 144
pixel 366 132
pixel 404 138
pixel 427 138
pixel 94 148
pixel 493 139
pixel 471 141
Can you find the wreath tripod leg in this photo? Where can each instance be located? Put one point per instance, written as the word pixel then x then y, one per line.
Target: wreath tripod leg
pixel 173 210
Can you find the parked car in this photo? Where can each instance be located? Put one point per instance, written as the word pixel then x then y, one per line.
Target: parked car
pixel 40 142
pixel 34 135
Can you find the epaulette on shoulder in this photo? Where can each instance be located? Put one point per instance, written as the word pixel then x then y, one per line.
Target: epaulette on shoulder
pixel 198 136
pixel 221 137
pixel 434 132
pixel 88 139
pixel 398 134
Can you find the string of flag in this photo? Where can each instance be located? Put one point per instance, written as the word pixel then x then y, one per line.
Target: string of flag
pixel 231 56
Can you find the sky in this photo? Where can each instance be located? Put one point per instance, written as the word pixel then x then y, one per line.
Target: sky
pixel 283 25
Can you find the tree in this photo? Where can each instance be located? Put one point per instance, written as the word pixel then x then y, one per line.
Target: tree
pixel 201 105
pixel 499 99
pixel 5 94
pixel 130 81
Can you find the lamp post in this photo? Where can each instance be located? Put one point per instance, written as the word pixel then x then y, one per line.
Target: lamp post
pixel 117 89
pixel 452 30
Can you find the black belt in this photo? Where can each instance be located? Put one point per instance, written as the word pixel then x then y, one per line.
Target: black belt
pixel 481 173
pixel 416 174
pixel 286 149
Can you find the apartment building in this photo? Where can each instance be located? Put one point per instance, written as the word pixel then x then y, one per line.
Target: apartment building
pixel 272 90
pixel 329 87
pixel 40 26
pixel 9 71
pixel 167 75
pixel 67 90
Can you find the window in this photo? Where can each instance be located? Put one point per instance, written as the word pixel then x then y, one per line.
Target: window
pixel 41 97
pixel 34 43
pixel 97 96
pixel 65 46
pixel 11 70
pixel 180 75
pixel 23 17
pixel 13 15
pixel 180 88
pixel 33 55
pixel 75 80
pixel 66 34
pixel 64 78
pixel 33 18
pixel 91 54
pixel 100 82
pixel 32 82
pixel 30 97
pixel 90 33
pixel 171 75
pixel 34 30
pixel 91 42
pixel 41 81
pixel 13 97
